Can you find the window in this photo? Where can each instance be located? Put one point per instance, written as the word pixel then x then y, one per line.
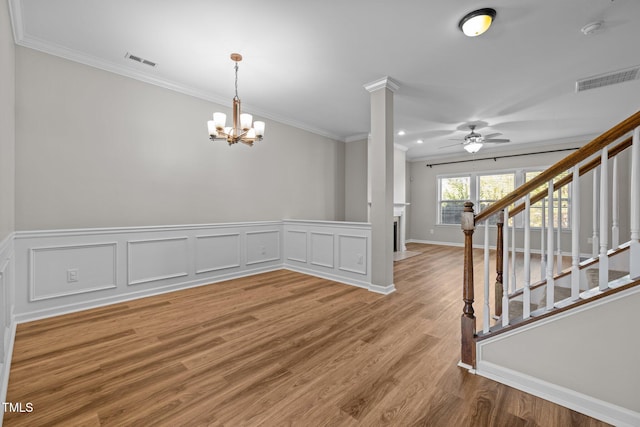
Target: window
pixel 453 193
pixel 483 189
pixel 492 188
pixel 535 214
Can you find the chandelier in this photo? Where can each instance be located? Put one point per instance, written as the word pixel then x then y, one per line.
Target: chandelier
pixel 243 128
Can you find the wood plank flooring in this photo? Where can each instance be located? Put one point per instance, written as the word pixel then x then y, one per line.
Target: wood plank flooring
pixel 276 349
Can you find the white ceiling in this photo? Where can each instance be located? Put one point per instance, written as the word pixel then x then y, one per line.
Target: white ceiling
pixel 305 62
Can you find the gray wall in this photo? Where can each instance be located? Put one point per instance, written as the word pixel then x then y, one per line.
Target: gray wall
pixel 399 176
pixel 423 197
pixel 96 149
pixel 356 177
pixel 579 351
pixel 356 181
pixel 7 123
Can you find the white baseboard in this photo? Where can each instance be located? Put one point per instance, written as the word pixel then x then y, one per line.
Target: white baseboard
pixel 384 290
pixel 435 242
pixel 571 399
pixel 328 276
pixel 477 246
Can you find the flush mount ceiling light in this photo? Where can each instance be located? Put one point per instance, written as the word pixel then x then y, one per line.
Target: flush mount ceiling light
pixel 242 129
pixel 477 22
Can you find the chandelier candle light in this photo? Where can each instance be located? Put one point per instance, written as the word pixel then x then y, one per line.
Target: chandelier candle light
pixel 243 129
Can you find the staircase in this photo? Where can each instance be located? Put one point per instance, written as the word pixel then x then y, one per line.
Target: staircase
pixel 572 281
pixel 588 285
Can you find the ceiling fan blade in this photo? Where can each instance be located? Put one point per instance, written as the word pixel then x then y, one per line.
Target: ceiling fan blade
pixel 492 135
pixel 497 141
pixel 447 146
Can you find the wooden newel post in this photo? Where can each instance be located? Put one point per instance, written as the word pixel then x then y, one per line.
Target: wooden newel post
pixel 468 317
pixel 499 250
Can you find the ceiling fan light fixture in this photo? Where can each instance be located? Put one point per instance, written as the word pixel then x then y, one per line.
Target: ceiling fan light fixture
pixel 473 147
pixel 477 22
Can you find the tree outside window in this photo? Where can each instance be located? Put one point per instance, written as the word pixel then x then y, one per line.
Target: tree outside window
pixel 492 188
pixel 454 192
pixel 561 199
pixel 485 189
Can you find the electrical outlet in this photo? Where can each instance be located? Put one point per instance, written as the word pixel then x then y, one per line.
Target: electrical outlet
pixel 360 259
pixel 263 250
pixel 72 275
pixel 432 231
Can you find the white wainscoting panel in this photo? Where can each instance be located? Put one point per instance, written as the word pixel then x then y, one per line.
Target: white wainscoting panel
pixel 295 243
pixel 157 259
pixel 4 306
pixel 337 250
pixel 322 249
pixel 50 267
pixel 7 321
pixel 217 252
pixel 352 253
pixel 118 264
pixel 263 246
pixel 110 265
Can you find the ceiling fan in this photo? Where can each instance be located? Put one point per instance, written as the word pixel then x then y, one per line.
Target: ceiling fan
pixel 473 141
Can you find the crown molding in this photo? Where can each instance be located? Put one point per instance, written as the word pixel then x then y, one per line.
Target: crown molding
pixel 383 83
pixel 358 137
pixel 28 41
pixel 15 14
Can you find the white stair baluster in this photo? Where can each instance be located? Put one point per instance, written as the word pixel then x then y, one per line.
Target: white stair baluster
pixel 575 234
pixel 505 270
pixel 550 280
pixel 615 207
pixel 543 258
pixel 486 315
pixel 634 226
pixel 526 300
pixel 513 255
pixel 603 258
pixel 559 232
pixel 595 245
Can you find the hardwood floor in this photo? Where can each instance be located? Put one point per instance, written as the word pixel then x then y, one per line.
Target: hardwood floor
pixel 276 349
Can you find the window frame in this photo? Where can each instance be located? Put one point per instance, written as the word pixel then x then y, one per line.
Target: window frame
pixel 474 190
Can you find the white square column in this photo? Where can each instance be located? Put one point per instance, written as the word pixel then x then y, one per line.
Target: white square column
pixel 381 184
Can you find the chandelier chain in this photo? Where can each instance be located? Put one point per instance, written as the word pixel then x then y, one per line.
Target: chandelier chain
pixel 236 68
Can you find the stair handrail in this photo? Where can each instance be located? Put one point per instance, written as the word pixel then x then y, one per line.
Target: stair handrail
pixel 587 167
pixel 563 165
pixel 469 218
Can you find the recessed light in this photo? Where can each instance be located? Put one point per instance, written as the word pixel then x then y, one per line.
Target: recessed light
pixel 401 133
pixel 419 141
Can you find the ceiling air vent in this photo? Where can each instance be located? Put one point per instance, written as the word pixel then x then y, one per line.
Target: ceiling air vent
pixel 608 79
pixel 140 60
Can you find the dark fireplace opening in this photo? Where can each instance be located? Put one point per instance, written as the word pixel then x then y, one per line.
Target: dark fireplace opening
pixel 395 235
